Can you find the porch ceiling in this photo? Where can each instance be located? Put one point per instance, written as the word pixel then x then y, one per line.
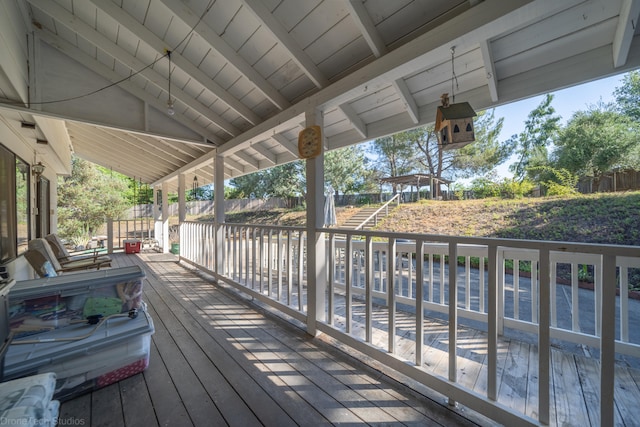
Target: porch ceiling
pixel 243 72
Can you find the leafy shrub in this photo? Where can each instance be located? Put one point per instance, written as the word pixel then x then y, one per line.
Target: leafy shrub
pixel 514 189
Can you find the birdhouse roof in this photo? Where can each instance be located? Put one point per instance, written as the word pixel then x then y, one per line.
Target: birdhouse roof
pixel 461 110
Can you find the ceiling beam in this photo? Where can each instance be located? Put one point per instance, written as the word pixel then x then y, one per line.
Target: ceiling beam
pixel 110 75
pixel 489 66
pixel 247 158
pixel 125 58
pixel 354 119
pixel 264 152
pixel 222 48
pixel 363 21
pixel 299 56
pixel 148 37
pixel 407 99
pixel 286 144
pixel 627 23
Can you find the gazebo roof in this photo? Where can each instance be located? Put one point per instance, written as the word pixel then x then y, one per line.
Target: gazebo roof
pixel 414 179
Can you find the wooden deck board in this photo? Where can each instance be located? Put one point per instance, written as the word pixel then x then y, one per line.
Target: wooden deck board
pixel 216 359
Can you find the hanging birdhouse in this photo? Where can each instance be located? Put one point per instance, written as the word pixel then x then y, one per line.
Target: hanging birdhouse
pixel 454 124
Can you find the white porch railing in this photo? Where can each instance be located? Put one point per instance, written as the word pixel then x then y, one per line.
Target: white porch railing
pixel 269 263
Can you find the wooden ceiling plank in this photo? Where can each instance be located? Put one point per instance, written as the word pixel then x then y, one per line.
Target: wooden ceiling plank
pixel 627 23
pixel 366 26
pixel 182 12
pixel 87 32
pixel 97 137
pixel 98 68
pixel 144 34
pixel 490 67
pixel 407 99
pixel 266 18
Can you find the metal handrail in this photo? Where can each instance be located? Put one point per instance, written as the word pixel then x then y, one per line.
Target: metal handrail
pixel 385 206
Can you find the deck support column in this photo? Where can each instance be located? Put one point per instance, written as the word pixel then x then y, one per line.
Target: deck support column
pixel 316 245
pixel 182 199
pixel 165 218
pixel 218 212
pixel 157 224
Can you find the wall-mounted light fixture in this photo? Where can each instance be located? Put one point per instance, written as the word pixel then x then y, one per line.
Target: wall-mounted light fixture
pixel 37 170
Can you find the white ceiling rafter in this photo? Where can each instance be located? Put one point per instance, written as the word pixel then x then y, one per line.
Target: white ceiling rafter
pixel 182 12
pixel 263 151
pixel 130 61
pixel 248 159
pixel 407 99
pixel 363 21
pixel 264 16
pixel 98 68
pixel 145 35
pixel 286 144
pixel 356 121
pixel 627 24
pixel 238 166
pixel 487 58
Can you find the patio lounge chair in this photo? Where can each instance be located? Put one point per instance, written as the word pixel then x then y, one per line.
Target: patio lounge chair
pixel 40 252
pixel 63 255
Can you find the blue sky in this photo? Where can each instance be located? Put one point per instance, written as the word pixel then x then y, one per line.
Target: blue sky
pixel 565 101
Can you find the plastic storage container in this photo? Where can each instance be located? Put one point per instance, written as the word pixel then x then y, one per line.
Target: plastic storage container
pixel 52 334
pixel 132 246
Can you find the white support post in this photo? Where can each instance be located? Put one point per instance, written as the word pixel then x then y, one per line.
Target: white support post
pixel 218 211
pixel 544 338
pixel 420 301
pixel 165 218
pixel 316 246
pixel 182 199
pixel 492 327
pixel 157 224
pixel 453 314
pixel 608 340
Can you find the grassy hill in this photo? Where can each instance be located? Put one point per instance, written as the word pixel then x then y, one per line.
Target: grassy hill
pixel 600 218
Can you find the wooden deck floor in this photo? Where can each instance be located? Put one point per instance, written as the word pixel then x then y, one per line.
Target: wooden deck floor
pixel 217 360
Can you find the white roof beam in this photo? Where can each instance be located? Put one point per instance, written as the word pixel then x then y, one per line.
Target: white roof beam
pixel 85 31
pixel 355 119
pixel 235 165
pixel 627 23
pixel 364 23
pixel 407 99
pixel 286 144
pixel 489 66
pixel 110 75
pixel 182 12
pixel 247 158
pixel 264 152
pixel 264 16
pixel 140 31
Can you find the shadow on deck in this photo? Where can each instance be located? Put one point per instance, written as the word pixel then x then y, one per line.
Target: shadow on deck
pixel 216 360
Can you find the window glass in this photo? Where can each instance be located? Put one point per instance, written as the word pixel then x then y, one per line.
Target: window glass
pixel 7 205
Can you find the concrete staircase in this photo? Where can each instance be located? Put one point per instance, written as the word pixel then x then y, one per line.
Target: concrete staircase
pixel 359 217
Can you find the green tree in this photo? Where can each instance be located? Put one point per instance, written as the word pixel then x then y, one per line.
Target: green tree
pixel 86 198
pixel 597 141
pixel 628 95
pixel 345 169
pixel 487 152
pixel 396 155
pixel 531 145
pixel 285 180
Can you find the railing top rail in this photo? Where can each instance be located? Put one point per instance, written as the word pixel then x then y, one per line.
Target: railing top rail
pixel 246 225
pixel 556 246
pixel 377 212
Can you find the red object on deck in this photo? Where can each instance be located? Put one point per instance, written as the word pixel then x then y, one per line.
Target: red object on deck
pixel 132 246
